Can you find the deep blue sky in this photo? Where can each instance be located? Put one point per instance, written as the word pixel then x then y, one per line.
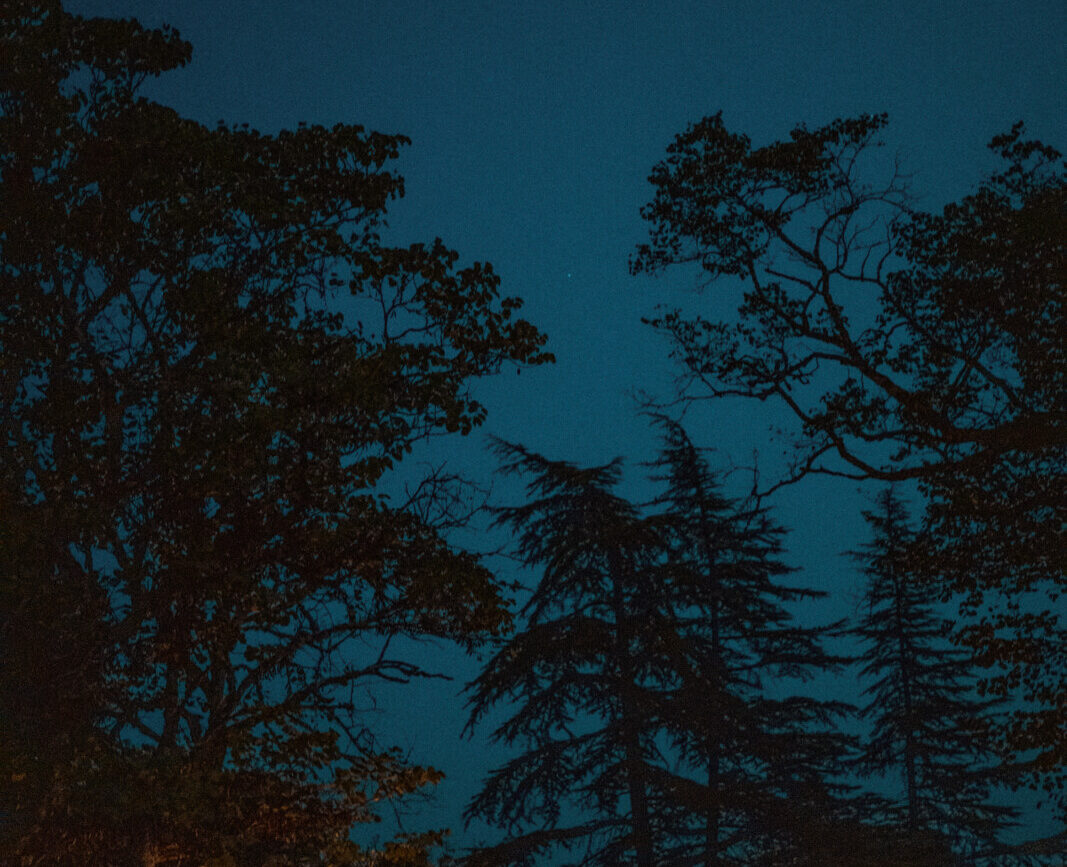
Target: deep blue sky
pixel 534 127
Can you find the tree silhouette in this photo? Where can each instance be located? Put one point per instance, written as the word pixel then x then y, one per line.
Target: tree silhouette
pixel 995 523
pixel 764 762
pixel 908 346
pixel 641 675
pixel 210 361
pixel 928 728
pixel 580 672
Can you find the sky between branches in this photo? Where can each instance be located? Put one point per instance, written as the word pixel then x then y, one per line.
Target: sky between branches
pixel 534 127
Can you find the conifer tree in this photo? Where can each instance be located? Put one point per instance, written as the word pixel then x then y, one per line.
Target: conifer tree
pixel 755 769
pixel 930 731
pixel 906 345
pixel 581 674
pixel 642 681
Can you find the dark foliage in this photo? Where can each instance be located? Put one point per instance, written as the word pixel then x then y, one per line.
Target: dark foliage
pixel 642 680
pixel 580 671
pixel 754 767
pixel 210 359
pixel 907 345
pixel 931 735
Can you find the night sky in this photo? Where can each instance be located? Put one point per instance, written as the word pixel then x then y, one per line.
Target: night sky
pixel 534 127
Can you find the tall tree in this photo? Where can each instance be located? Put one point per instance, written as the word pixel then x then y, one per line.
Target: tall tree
pixel 763 759
pixel 642 681
pixel 210 361
pixel 908 346
pixel 580 674
pixel 930 732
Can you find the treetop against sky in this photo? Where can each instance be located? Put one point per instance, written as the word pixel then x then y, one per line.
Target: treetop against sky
pixel 533 129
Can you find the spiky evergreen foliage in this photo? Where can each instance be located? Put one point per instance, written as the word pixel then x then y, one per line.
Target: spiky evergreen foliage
pixel 755 770
pixel 642 682
pixel 580 675
pixel 929 732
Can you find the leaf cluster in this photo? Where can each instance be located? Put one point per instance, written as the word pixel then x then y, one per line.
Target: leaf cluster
pixel 212 360
pixel 907 345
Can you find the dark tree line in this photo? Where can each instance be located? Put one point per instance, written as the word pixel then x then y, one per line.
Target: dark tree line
pixel 909 346
pixel 655 691
pixel 212 360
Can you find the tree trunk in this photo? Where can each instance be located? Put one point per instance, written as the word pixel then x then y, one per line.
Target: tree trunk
pixel 712 747
pixel 905 685
pixel 635 777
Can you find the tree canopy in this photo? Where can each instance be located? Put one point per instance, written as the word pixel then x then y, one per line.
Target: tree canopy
pixel 757 760
pixel 211 358
pixel 580 672
pixel 909 346
pixel 216 363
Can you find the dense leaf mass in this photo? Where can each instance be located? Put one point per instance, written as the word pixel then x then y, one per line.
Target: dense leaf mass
pixel 210 359
pixel 908 346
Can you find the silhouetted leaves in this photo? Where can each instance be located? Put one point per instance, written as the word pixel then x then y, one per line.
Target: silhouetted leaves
pixel 579 670
pixel 908 345
pixel 757 762
pixel 210 360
